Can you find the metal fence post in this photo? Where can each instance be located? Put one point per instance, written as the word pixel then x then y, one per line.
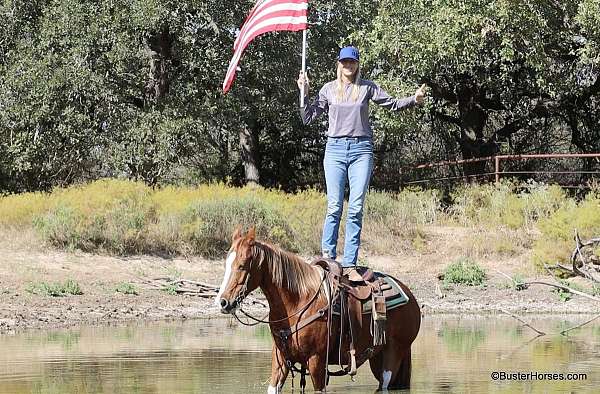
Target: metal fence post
pixel 497 172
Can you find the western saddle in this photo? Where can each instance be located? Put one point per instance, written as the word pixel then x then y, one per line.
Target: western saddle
pixel 349 290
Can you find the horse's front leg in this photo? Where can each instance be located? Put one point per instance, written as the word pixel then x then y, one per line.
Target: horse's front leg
pixel 279 371
pixel 316 367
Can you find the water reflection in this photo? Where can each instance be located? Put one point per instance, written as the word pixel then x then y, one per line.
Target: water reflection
pixel 461 340
pixel 452 354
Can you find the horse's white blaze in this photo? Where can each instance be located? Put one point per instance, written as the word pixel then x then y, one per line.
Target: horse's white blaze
pixel 228 265
pixel 387 376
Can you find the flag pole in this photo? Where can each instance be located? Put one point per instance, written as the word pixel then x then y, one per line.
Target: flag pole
pixel 303 67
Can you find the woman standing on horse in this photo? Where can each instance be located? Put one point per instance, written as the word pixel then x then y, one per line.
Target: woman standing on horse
pixel 349 149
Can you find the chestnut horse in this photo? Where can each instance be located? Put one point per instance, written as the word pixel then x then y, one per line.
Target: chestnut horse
pixel 297 300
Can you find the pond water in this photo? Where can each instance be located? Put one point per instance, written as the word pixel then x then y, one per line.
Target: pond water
pixel 451 354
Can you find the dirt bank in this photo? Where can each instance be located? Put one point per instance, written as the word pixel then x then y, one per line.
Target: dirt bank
pixel 22 268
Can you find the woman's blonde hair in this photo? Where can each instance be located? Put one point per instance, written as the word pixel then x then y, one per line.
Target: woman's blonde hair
pixel 339 90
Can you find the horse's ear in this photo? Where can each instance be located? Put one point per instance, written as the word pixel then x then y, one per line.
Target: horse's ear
pixel 251 235
pixel 237 233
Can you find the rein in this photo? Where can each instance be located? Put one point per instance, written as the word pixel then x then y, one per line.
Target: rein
pixel 243 294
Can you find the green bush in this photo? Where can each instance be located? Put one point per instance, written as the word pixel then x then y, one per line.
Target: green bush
pixel 124 217
pixel 108 215
pixel 126 288
pixel 209 224
pixel 55 289
pixel 557 231
pixel 59 226
pixel 409 206
pixel 506 204
pixel 518 282
pixel 394 221
pixel 464 271
pixel 170 289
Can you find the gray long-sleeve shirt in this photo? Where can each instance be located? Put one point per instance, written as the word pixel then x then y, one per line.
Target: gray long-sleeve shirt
pixel 350 118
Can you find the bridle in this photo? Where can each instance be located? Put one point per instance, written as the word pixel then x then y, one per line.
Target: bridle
pixel 256 320
pixel 243 294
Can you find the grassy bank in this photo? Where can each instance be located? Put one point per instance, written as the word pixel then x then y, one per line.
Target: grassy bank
pixel 122 217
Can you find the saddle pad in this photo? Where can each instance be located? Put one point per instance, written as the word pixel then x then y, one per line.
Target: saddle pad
pixel 394 297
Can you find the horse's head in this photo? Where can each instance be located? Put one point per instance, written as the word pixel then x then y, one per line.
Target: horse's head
pixel 242 274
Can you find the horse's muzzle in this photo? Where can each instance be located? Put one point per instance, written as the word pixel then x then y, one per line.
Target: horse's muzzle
pixel 226 306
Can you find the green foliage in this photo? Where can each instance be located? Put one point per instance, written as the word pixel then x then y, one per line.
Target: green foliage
pixel 497 72
pixel 462 340
pixel 211 223
pixel 117 224
pixel 55 289
pixel 464 271
pixel 59 227
pixel 504 204
pixel 518 282
pixel 564 295
pixel 125 217
pixel 132 88
pixel 588 18
pixel 126 288
pixel 557 231
pixel 170 289
pixel 408 206
pixel 92 89
pixel 390 216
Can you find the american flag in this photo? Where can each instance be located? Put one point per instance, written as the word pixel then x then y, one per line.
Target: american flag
pixel 266 16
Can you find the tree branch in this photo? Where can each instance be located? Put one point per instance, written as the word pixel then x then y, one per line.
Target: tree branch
pixel 540 333
pixel 563 332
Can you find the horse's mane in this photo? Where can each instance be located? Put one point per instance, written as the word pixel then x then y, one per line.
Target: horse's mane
pixel 287 269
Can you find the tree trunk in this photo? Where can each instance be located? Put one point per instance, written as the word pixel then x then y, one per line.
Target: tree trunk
pixel 472 143
pixel 159 49
pixel 250 153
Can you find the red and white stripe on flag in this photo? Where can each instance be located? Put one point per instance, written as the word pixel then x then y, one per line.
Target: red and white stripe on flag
pixel 266 16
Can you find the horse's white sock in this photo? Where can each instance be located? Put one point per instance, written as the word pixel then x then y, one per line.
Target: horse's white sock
pixel 274 390
pixel 387 376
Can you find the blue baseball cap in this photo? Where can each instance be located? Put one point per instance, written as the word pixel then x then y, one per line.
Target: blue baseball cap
pixel 348 53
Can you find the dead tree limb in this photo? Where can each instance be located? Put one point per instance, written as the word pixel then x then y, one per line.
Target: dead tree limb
pixel 579 245
pixel 565 288
pixel 563 332
pixel 540 333
pixel 508 356
pixel 192 288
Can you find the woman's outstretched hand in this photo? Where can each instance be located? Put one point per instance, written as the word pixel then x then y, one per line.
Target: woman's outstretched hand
pixel 303 83
pixel 420 94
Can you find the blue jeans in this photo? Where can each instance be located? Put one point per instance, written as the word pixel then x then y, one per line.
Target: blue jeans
pixel 349 159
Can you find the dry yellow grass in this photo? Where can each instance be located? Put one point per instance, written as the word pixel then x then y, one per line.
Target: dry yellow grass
pixel 124 217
